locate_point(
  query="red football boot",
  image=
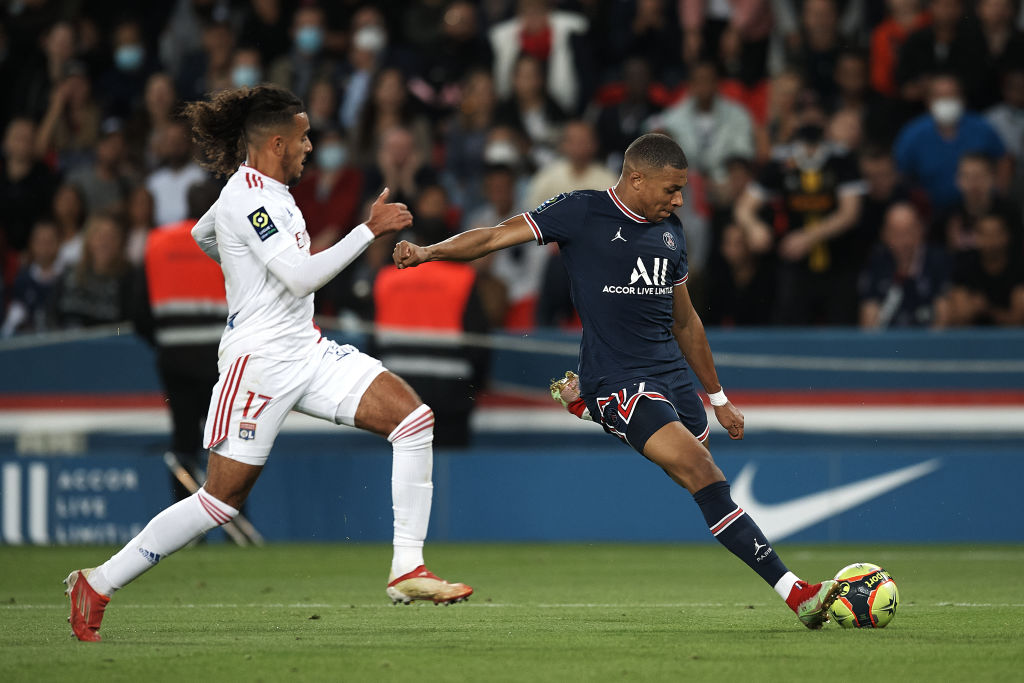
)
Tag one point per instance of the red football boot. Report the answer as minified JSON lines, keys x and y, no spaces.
{"x":422,"y":584}
{"x":86,"y":606}
{"x":811,"y":602}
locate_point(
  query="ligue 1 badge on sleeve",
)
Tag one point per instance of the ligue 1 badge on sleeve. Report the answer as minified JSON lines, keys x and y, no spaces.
{"x":669,"y":240}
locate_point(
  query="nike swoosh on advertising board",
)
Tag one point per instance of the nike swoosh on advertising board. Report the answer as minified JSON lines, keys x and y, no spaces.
{"x":779,"y":520}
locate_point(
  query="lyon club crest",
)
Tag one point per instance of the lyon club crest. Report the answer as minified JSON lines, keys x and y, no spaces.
{"x":670,"y":241}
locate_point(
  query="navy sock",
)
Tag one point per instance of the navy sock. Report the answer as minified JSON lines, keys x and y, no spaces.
{"x":734,"y":529}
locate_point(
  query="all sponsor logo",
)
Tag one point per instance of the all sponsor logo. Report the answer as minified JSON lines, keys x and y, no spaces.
{"x":644,"y":279}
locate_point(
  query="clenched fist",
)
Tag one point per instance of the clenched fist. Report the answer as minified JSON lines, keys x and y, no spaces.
{"x":407,"y":255}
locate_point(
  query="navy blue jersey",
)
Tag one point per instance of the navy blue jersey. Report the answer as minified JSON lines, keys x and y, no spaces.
{"x":622,"y":270}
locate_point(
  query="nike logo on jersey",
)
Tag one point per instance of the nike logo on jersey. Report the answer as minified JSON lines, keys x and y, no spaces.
{"x":618,"y":236}
{"x":779,"y":520}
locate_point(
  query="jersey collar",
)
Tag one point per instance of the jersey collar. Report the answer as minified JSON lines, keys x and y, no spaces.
{"x":270,"y":180}
{"x":637,"y":218}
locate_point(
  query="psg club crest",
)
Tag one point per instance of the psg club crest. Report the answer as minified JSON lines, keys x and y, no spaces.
{"x":669,"y":240}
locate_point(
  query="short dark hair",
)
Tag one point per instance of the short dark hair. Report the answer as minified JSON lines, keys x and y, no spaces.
{"x":655,"y":150}
{"x":224,"y":125}
{"x":987,"y":161}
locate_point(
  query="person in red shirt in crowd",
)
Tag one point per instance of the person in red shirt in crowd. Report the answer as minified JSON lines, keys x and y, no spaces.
{"x":328,"y":194}
{"x":905,"y":17}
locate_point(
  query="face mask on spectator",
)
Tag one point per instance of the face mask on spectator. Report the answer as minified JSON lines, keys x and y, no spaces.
{"x":331,"y":156}
{"x":501,"y":152}
{"x":129,"y":57}
{"x":370,"y":39}
{"x":947,"y":110}
{"x":309,"y":39}
{"x":245,"y":75}
{"x":810,"y":133}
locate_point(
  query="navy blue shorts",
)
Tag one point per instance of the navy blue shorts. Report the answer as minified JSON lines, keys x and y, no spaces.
{"x":637,"y":409}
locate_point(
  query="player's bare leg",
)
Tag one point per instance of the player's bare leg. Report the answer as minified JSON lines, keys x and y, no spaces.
{"x":227,"y":486}
{"x":391,"y":408}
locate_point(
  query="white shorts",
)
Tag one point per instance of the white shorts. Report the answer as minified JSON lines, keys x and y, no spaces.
{"x":254,"y":395}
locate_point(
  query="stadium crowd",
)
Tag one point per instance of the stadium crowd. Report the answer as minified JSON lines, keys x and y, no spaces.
{"x":851,"y":161}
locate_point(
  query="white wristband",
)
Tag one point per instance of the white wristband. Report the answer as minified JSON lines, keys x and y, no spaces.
{"x":718,"y":398}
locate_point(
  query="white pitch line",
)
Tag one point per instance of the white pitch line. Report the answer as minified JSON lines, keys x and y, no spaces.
{"x":543,"y":605}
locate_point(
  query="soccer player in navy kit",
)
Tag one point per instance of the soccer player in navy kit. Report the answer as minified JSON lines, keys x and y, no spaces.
{"x":625,"y":254}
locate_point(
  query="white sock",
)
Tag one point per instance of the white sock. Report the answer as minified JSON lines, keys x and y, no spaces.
{"x":784,"y":585}
{"x":169,"y":531}
{"x":412,"y":489}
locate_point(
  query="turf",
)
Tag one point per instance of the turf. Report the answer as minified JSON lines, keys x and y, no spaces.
{"x":540,"y":613}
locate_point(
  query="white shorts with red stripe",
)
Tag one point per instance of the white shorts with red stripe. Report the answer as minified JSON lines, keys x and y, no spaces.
{"x":254,"y":395}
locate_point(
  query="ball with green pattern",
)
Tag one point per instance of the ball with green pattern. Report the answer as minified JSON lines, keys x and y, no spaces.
{"x":868,"y":597}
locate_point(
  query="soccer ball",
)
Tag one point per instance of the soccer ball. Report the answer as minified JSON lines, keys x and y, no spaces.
{"x":867,"y":597}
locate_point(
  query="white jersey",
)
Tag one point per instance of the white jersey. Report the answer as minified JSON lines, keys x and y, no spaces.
{"x":256,"y":219}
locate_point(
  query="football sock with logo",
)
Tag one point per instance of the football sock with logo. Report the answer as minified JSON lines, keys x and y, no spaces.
{"x":412,"y":488}
{"x":169,"y":531}
{"x":733,"y":528}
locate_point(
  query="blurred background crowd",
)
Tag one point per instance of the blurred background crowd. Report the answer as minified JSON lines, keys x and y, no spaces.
{"x":852,"y":162}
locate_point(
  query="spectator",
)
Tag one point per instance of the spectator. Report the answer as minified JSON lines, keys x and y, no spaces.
{"x":97,"y":290}
{"x":741,"y":286}
{"x":34,"y":283}
{"x":951,"y":44}
{"x":1007,"y":117}
{"x":70,"y":128}
{"x":103,"y":183}
{"x":32,"y":85}
{"x":143,"y":132}
{"x":400,"y":166}
{"x":322,"y":109}
{"x":988,"y":282}
{"x":140,"y":223}
{"x":642,"y":30}
{"x":711,"y":27}
{"x":578,"y":169}
{"x":620,"y":122}
{"x":328,"y":194}
{"x":307,"y":60}
{"x":817,"y":48}
{"x":26,"y":185}
{"x":781,"y":121}
{"x":509,"y":279}
{"x":904,"y":17}
{"x":975,"y":178}
{"x":456,"y":49}
{"x":1004,"y":45}
{"x":208,"y":70}
{"x":368,"y":50}
{"x":466,"y":139}
{"x":390,"y":105}
{"x":554,"y":39}
{"x":928,"y":148}
{"x":169,"y":184}
{"x":246,"y":67}
{"x":709,"y":127}
{"x":815,"y":193}
{"x":265,"y":25}
{"x":879,"y":117}
{"x":531,"y":110}
{"x":884,"y":189}
{"x":69,"y":217}
{"x":905,"y":282}
{"x":122,"y":85}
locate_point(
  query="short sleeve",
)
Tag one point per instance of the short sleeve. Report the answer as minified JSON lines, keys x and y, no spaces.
{"x":558,"y":218}
{"x":682,"y":265}
{"x":260,"y":226}
{"x":848,"y":178}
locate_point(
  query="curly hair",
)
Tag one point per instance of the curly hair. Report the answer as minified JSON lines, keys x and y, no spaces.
{"x":224,"y":125}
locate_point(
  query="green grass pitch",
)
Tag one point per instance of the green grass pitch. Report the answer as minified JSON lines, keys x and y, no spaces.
{"x":540,"y":613}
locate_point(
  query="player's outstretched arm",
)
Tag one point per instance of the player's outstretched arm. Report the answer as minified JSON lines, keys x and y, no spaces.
{"x":204,"y":232}
{"x":303,"y":274}
{"x":693,"y":342}
{"x":466,"y":246}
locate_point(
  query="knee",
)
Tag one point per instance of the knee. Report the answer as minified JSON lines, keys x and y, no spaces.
{"x":414,"y":427}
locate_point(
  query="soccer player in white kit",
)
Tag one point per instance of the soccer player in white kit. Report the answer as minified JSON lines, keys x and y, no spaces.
{"x":273,"y":359}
